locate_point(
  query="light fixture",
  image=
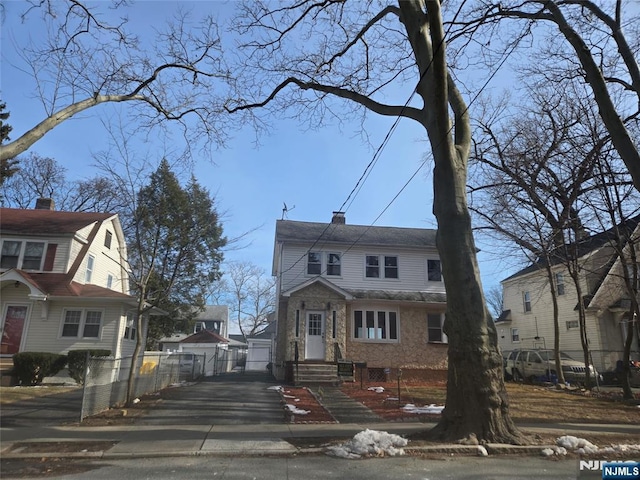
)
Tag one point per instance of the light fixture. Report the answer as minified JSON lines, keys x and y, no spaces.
{"x":17,"y":284}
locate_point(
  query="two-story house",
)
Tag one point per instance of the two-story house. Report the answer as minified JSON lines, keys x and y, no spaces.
{"x":527,"y":318}
{"x":372,"y":295}
{"x":64,"y":283}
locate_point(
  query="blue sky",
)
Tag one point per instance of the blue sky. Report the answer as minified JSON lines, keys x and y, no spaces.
{"x":311,"y":170}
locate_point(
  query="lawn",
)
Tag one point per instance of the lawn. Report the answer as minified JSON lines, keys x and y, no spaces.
{"x":16,"y":394}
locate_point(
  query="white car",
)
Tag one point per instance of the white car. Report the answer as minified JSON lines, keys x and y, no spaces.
{"x":534,"y":364}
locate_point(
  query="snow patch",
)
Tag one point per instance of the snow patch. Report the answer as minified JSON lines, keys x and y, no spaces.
{"x":585,"y":447}
{"x":376,"y":389}
{"x":277,"y":388}
{"x":430,"y":409}
{"x":295,"y":410}
{"x":370,"y":443}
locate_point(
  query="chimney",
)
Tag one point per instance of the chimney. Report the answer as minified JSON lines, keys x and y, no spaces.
{"x":45,"y":204}
{"x":338,"y":218}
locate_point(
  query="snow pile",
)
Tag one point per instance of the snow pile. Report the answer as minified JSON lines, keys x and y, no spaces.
{"x":585,"y":447}
{"x":376,"y":389}
{"x":548,"y":452}
{"x":295,"y":410}
{"x":622,"y":448}
{"x":578,"y":445}
{"x":430,"y":409}
{"x":277,"y":388}
{"x":370,"y":443}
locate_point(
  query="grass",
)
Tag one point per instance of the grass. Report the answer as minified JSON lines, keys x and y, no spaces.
{"x":16,"y":394}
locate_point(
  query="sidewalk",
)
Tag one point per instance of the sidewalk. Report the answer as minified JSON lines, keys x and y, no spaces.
{"x":134,"y":441}
{"x":229,"y":416}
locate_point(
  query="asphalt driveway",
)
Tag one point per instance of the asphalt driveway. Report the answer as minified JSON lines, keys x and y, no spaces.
{"x":227,"y":399}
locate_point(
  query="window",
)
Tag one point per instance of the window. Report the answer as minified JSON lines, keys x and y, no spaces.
{"x":109,"y":280}
{"x":86,"y":321}
{"x":92,"y":324}
{"x":559,"y":284}
{"x":515,"y":335}
{"x":373,"y":263}
{"x":334,"y":324}
{"x":24,"y":255}
{"x":526,"y":299}
{"x":333,"y":264}
{"x":390,"y":267}
{"x":376,"y":325}
{"x":434,"y":271}
{"x":89,"y":273}
{"x":434,"y":328}
{"x":130,"y":328}
{"x":630,"y":274}
{"x":314,"y":263}
{"x":572,"y":324}
{"x":107,"y":239}
{"x":297,"y":323}
{"x":372,"y":266}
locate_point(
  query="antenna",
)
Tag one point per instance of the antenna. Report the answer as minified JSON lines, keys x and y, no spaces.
{"x":286,"y":209}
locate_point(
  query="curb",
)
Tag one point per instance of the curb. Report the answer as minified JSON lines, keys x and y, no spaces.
{"x":468,"y":450}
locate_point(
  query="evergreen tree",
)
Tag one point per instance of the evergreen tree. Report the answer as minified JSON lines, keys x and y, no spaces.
{"x":8,"y":166}
{"x":175,"y":241}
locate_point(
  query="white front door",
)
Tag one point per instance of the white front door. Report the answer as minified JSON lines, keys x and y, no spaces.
{"x":314,"y":349}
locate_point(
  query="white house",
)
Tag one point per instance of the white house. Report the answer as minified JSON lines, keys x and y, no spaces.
{"x":372,"y":295}
{"x":63,"y":282}
{"x":527,"y":318}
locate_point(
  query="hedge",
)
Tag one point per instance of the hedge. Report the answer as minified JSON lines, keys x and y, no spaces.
{"x":78,"y":362}
{"x":30,"y":368}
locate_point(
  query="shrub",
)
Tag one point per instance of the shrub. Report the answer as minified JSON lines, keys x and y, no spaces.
{"x":30,"y":368}
{"x":78,"y":362}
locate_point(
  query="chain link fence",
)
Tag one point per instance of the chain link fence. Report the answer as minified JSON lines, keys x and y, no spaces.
{"x":106,"y":378}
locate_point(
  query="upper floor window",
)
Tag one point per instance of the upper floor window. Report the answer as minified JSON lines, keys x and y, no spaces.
{"x":89,"y":273}
{"x":559,"y":284}
{"x":333,"y":264}
{"x":82,"y":323}
{"x":375,"y":325}
{"x":107,"y":239}
{"x":435,"y":321}
{"x":22,"y":254}
{"x":109,"y":281}
{"x":434,"y":271}
{"x":373,"y":265}
{"x":526,"y":300}
{"x":314,"y":263}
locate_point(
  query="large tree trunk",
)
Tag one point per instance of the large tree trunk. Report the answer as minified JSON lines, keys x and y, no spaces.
{"x":477,"y":408}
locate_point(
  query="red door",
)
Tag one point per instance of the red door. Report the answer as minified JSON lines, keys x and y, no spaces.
{"x":12,"y":329}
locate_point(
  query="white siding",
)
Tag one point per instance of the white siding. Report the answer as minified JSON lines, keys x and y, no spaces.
{"x":412,"y":268}
{"x":539,"y":322}
{"x":45,"y":335}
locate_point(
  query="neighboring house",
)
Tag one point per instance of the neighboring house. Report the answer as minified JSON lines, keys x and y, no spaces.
{"x":260,"y":348}
{"x":367,"y":294}
{"x":527,"y":319}
{"x":214,"y":318}
{"x":63,"y":282}
{"x":213,"y":349}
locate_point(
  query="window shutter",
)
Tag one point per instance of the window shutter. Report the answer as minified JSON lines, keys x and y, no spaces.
{"x":50,"y":257}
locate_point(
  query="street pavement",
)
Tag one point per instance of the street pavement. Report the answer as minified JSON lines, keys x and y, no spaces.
{"x":233,"y":414}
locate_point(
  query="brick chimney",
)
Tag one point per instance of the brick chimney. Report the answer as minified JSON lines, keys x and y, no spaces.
{"x":45,"y":204}
{"x":338,"y":217}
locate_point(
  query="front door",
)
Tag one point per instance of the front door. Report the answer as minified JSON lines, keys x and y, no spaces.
{"x":12,"y":328}
{"x":314,"y":349}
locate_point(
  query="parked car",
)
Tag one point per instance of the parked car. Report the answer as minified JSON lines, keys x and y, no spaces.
{"x":189,"y":363}
{"x":534,"y":365}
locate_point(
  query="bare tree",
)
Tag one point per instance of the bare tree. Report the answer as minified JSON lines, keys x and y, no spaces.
{"x":87,"y":62}
{"x":40,"y":177}
{"x":251,"y":295}
{"x":495,"y":300}
{"x":301,"y":58}
{"x":597,"y":49}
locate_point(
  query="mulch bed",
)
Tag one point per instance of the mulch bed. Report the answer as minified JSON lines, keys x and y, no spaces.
{"x":303,"y":399}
